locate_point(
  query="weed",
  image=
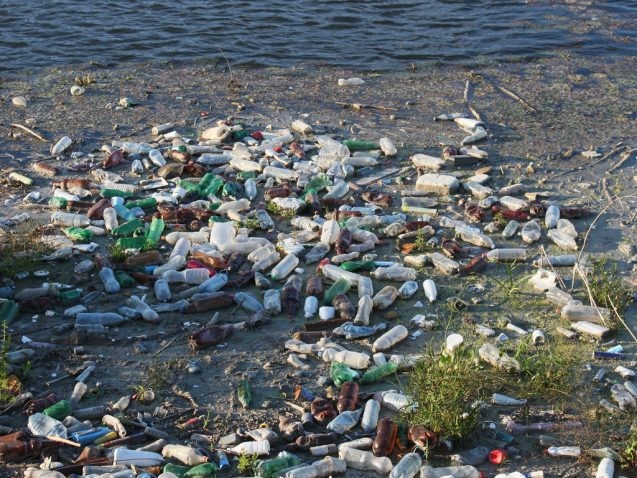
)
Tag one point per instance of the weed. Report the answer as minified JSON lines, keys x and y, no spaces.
{"x":84,"y":80}
{"x":250,"y":223}
{"x":159,"y":373}
{"x":5,"y":380}
{"x":248,"y":464}
{"x":606,"y":285}
{"x":279,"y":211}
{"x":116,"y":253}
{"x":629,"y":452}
{"x":446,"y":389}
{"x":20,"y":249}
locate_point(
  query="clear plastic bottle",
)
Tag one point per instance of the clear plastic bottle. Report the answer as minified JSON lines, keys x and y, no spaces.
{"x":310,"y":307}
{"x":507,"y":255}
{"x":188,"y":276}
{"x":357,"y":360}
{"x":250,"y":187}
{"x":575,"y":311}
{"x":318,"y":252}
{"x":185,"y":454}
{"x":124,"y":456}
{"x":337,"y":191}
{"x":365,"y":461}
{"x":267,"y":261}
{"x":385,"y":297}
{"x":172,"y":264}
{"x":365,"y":287}
{"x":572,"y":451}
{"x":257,"y":447}
{"x":272,"y":301}
{"x":181,"y":248}
{"x":106,"y":319}
{"x":319,"y":469}
{"x":430,"y":290}
{"x":107,"y":276}
{"x":562,"y":239}
{"x":261,"y":252}
{"x":248,"y":302}
{"x":531,"y":232}
{"x":407,"y":467}
{"x":70,"y":219}
{"x":365,"y":306}
{"x":345,"y":421}
{"x":285,"y":267}
{"x":551,"y":216}
{"x":43,"y":425}
{"x":395,"y":229}
{"x":162,"y":290}
{"x":387,"y":147}
{"x":390,"y":338}
{"x":408,"y":289}
{"x":370,"y":416}
{"x":444,"y":264}
{"x":462,"y":471}
{"x":473,"y":237}
{"x":110,"y":218}
{"x":510,"y":229}
{"x":213,"y":284}
{"x":396,"y":273}
{"x":332,"y":272}
{"x":330,"y":231}
{"x":558,"y":296}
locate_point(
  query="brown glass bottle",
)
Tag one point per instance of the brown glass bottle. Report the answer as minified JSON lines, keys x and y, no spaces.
{"x":314,"y":286}
{"x":386,"y":432}
{"x":96,"y":211}
{"x":219,"y":300}
{"x":343,"y":241}
{"x":344,"y":307}
{"x":37,"y":405}
{"x":347,"y":397}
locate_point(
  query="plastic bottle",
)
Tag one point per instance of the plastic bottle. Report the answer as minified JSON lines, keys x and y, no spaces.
{"x":189,"y":276}
{"x":510,"y":229}
{"x":462,"y":471}
{"x":341,"y":286}
{"x":271,"y":468}
{"x":385,"y":297}
{"x":572,"y":451}
{"x":347,"y":397}
{"x":531,"y":232}
{"x":70,"y":219}
{"x":370,"y":416}
{"x":248,"y":302}
{"x":333,"y":272}
{"x":258,"y":447}
{"x":386,"y":432}
{"x":365,"y":461}
{"x":310,"y":307}
{"x":272,"y":301}
{"x":430,"y":290}
{"x":124,"y":456}
{"x":574,"y":311}
{"x":378,"y":373}
{"x":250,"y":187}
{"x":558,"y":296}
{"x":408,"y":289}
{"x":490,"y":354}
{"x":551,"y":217}
{"x":58,"y":410}
{"x":395,"y":273}
{"x":162,"y":290}
{"x":110,"y":218}
{"x":344,"y":307}
{"x":285,"y":267}
{"x":562,"y":239}
{"x":102,"y":318}
{"x":365,"y":305}
{"x":345,"y":421}
{"x":605,"y":469}
{"x":330,"y":231}
{"x":474,"y":456}
{"x":365,"y":287}
{"x":42,"y":425}
{"x":390,"y":338}
{"x":269,"y":260}
{"x":185,"y":454}
{"x":107,"y":276}
{"x":407,"y":467}
{"x":507,"y":255}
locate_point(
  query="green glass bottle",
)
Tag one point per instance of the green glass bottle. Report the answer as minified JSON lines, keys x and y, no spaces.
{"x":59,"y":410}
{"x":154,"y":233}
{"x":214,"y":219}
{"x":131,"y":242}
{"x":58,"y":203}
{"x":8,"y":311}
{"x":239,"y":135}
{"x":353,"y":266}
{"x":78,"y":234}
{"x":146,"y":203}
{"x":229,"y":189}
{"x":354,"y":145}
{"x":244,"y":392}
{"x":128,"y":227}
{"x":377,"y":373}
{"x":123,"y":279}
{"x":178,"y":470}
{"x":341,"y":286}
{"x":204,"y":470}
{"x":270,"y":468}
{"x":69,"y":296}
{"x":190,"y":186}
{"x":213,"y":189}
{"x":203,"y":184}
{"x":111,"y":193}
{"x":341,"y":373}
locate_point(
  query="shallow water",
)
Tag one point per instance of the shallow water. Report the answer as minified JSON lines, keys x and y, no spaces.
{"x":369,"y":34}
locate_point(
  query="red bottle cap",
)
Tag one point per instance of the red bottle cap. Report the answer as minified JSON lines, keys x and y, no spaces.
{"x":497,"y":456}
{"x":257,"y":135}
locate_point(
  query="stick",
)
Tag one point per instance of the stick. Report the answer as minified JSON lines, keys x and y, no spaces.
{"x":515,"y":97}
{"x":30,"y":131}
{"x":625,"y":157}
{"x":164,"y":347}
{"x":621,"y":320}
{"x":605,"y":191}
{"x":468,"y":103}
{"x":63,"y":440}
{"x":545,"y":256}
{"x":358,"y":106}
{"x":614,"y":149}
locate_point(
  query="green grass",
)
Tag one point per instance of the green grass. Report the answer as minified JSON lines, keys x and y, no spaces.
{"x":606,"y":285}
{"x":21,"y":248}
{"x":248,"y":464}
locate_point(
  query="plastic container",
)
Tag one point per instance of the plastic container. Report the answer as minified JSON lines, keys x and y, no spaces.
{"x":330,"y":232}
{"x":430,"y":290}
{"x":365,"y":287}
{"x":272,"y":301}
{"x":285,"y":267}
{"x":575,"y":311}
{"x":385,"y":297}
{"x":365,"y":305}
{"x":551,"y":217}
{"x":570,"y":451}
{"x":258,"y":447}
{"x":366,"y":461}
{"x":395,"y":273}
{"x":531,"y":232}
{"x":310,"y":307}
{"x":43,"y":426}
{"x":407,"y":467}
{"x":107,"y":276}
{"x":162,"y":290}
{"x":507,"y":255}
{"x":124,"y":456}
{"x":356,"y":360}
{"x":370,"y":416}
{"x":408,"y":289}
{"x":345,"y":421}
{"x":70,"y":219}
{"x":185,"y":454}
{"x":189,"y":276}
{"x":462,"y":471}
{"x":390,"y":338}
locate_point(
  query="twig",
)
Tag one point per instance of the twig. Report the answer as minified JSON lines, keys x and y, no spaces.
{"x":621,"y":320}
{"x":164,"y":347}
{"x":28,"y":130}
{"x":544,"y":255}
{"x":185,"y":395}
{"x":515,"y":97}
{"x":605,"y":191}
{"x":468,"y":103}
{"x":625,"y":157}
{"x":358,"y":106}
{"x":63,"y":440}
{"x":614,"y":149}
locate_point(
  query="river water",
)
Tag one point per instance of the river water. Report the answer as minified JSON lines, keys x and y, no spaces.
{"x":361,"y":34}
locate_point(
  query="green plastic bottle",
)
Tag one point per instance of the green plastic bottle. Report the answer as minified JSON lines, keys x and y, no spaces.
{"x":131,"y":242}
{"x":190,"y":186}
{"x":244,"y":392}
{"x":203,"y":184}
{"x":123,"y":279}
{"x":213,"y":189}
{"x":341,"y":286}
{"x":239,"y":135}
{"x":154,"y":233}
{"x":270,"y":468}
{"x":204,"y":470}
{"x":243,"y":176}
{"x":229,"y":189}
{"x":111,"y":193}
{"x":214,"y":219}
{"x":353,"y":266}
{"x":59,"y":410}
{"x":146,"y":203}
{"x":377,"y":373}
{"x":177,"y":470}
{"x":58,"y":203}
{"x":318,"y":183}
{"x":69,"y":296}
{"x":78,"y":234}
{"x":354,"y":145}
{"x":8,"y":311}
{"x":127,"y":228}
{"x":341,"y":373}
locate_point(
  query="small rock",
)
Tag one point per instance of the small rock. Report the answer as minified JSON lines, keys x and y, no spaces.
{"x":19,"y":101}
{"x":77,"y":90}
{"x":437,"y":184}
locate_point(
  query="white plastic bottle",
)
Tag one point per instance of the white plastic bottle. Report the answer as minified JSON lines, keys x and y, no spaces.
{"x":356,"y":360}
{"x":222,"y":233}
{"x":258,"y":447}
{"x":370,"y":416}
{"x":573,"y":451}
{"x":107,"y":276}
{"x":430,"y":290}
{"x":110,"y":218}
{"x":407,"y":467}
{"x":250,"y":187}
{"x":124,"y":456}
{"x":605,"y":469}
{"x":365,"y":287}
{"x":162,"y":290}
{"x":507,"y":255}
{"x":181,"y":248}
{"x":310,"y":307}
{"x":365,"y":461}
{"x":561,"y":239}
{"x":390,"y":338}
{"x":185,"y":454}
{"x":330,"y":231}
{"x":551,"y":217}
{"x":285,"y":267}
{"x":408,"y":289}
{"x":332,"y":272}
{"x":70,"y":219}
{"x":188,"y":276}
{"x":387,"y":147}
{"x":272,"y":301}
{"x":328,"y":466}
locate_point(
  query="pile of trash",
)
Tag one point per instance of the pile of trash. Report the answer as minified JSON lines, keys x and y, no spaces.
{"x":280,"y":224}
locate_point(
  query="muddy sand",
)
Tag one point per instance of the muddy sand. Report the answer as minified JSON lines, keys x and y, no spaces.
{"x":566,"y":106}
